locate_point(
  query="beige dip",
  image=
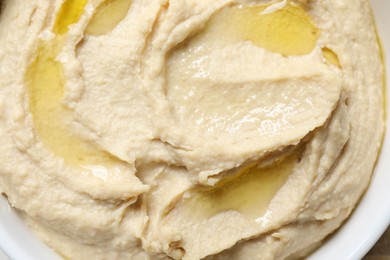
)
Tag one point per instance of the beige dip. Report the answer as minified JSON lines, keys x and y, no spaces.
{"x":188,"y":129}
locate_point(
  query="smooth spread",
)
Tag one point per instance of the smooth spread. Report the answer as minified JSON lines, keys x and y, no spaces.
{"x":185,"y":129}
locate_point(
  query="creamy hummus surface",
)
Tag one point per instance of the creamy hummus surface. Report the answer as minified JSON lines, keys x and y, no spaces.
{"x":188,"y":129}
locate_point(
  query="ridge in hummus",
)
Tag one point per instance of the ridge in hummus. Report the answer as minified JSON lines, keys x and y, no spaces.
{"x":184,"y":129}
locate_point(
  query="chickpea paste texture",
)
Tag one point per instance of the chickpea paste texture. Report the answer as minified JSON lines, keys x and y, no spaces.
{"x":187,"y":129}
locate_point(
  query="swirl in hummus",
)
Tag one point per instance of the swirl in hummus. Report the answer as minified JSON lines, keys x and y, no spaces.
{"x":187,"y":129}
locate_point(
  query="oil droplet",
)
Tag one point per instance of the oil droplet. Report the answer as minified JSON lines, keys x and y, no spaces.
{"x":108,"y":15}
{"x":248,"y":192}
{"x":288,"y":30}
{"x":45,"y":82}
{"x":331,"y":56}
{"x":70,"y":13}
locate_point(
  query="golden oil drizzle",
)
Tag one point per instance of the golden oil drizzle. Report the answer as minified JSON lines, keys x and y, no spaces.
{"x":107,"y":16}
{"x":288,"y":30}
{"x":69,"y":13}
{"x":331,"y":56}
{"x":248,"y":192}
{"x":45,"y":81}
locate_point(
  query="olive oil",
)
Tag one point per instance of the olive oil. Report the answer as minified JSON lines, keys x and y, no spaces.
{"x":248,"y":192}
{"x":70,"y":13}
{"x":331,"y":56}
{"x":45,"y":81}
{"x":46,"y":88}
{"x":107,"y":16}
{"x":288,"y":30}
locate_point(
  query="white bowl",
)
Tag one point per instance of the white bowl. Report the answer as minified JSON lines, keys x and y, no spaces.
{"x":352,"y":241}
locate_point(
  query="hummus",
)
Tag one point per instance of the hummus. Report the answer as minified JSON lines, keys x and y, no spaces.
{"x":187,"y":129}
